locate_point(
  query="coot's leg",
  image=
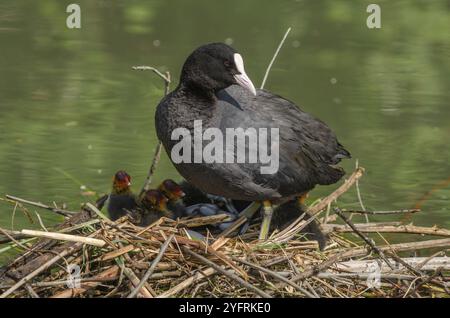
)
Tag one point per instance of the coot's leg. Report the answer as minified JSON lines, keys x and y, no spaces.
{"x":268,"y":211}
{"x":244,"y":216}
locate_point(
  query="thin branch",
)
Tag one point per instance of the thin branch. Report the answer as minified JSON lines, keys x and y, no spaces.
{"x":374,"y":228}
{"x":365,"y":238}
{"x":275,"y":275}
{"x":297,"y":225}
{"x":274,"y":57}
{"x":42,"y":206}
{"x":358,"y":193}
{"x":381,"y":212}
{"x":152,"y":267}
{"x":227,"y":273}
{"x":167,"y":80}
{"x":64,"y":237}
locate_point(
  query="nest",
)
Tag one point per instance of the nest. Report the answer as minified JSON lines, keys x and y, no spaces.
{"x":90,"y":256}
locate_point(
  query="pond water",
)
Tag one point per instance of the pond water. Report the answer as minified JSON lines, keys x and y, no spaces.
{"x":72,"y":111}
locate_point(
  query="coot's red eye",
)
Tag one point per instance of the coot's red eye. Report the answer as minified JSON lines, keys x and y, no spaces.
{"x":227,"y":63}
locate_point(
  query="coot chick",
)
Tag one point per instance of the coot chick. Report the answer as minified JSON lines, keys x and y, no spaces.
{"x":121,"y":200}
{"x":154,"y":207}
{"x":214,"y":90}
{"x":286,"y":213}
{"x":174,"y":193}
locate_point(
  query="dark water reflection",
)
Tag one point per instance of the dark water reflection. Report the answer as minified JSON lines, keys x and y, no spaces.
{"x":69,"y":101}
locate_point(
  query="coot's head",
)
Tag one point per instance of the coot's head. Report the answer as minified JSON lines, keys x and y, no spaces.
{"x":154,"y":200}
{"x":171,"y":189}
{"x":121,"y":181}
{"x":213,"y":67}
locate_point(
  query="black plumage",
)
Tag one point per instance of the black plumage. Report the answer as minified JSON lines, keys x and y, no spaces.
{"x":121,"y":200}
{"x":308,"y":148}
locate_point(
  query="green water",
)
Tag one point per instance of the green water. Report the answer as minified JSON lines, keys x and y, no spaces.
{"x":70,"y":102}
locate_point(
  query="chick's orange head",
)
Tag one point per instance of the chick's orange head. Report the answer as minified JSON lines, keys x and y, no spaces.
{"x":171,"y":189}
{"x":121,"y":180}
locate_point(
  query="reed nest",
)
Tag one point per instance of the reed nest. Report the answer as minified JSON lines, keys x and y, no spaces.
{"x":120,"y":259}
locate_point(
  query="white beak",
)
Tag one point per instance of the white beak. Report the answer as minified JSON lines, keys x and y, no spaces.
{"x":242,"y":79}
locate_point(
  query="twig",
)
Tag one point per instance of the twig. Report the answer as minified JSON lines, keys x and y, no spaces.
{"x":423,"y":281}
{"x":110,"y":274}
{"x":298,"y":225}
{"x":30,"y":290}
{"x":152,"y":267}
{"x":366,"y":239}
{"x":358,"y":193}
{"x":275,"y":275}
{"x":64,"y":237}
{"x":381,"y":212}
{"x":228,"y":274}
{"x":274,"y":57}
{"x":188,"y":282}
{"x":203,"y":220}
{"x":40,"y":222}
{"x":407,"y":229}
{"x":42,"y":206}
{"x":167,"y":80}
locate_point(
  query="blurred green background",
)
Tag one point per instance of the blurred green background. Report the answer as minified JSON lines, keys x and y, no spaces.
{"x":70,"y":104}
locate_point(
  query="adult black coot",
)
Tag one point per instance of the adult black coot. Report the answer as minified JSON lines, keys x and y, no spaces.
{"x":215,"y":90}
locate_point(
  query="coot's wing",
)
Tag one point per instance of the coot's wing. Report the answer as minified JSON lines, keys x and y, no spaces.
{"x":308,"y":147}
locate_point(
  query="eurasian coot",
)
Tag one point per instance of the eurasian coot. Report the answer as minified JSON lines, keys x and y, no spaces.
{"x":154,"y":207}
{"x":173,"y":192}
{"x":121,"y":200}
{"x":215,"y":92}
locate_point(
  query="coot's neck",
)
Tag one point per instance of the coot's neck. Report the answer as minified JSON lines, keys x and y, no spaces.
{"x":196,"y":91}
{"x":121,"y":191}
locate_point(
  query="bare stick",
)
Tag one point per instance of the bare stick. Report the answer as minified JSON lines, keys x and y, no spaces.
{"x":407,"y":229}
{"x":188,"y":282}
{"x":42,"y":206}
{"x":31,"y":291}
{"x":365,"y":238}
{"x":228,"y":274}
{"x":144,"y":291}
{"x":275,"y":275}
{"x":203,"y":220}
{"x":414,"y":262}
{"x":274,"y":57}
{"x":381,"y":212}
{"x":358,"y":252}
{"x":318,"y":268}
{"x":153,"y":69}
{"x":358,"y":193}
{"x":155,"y":161}
{"x":152,"y":267}
{"x":64,"y":237}
{"x":158,"y":149}
{"x":298,"y":225}
{"x":236,"y":224}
